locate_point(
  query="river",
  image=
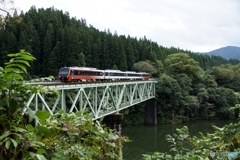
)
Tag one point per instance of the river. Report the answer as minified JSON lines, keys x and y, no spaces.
{"x":148,"y":139}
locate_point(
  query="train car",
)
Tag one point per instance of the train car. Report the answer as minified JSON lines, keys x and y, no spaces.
{"x":144,"y":75}
{"x":131,"y":75}
{"x":78,"y":74}
{"x":114,"y":75}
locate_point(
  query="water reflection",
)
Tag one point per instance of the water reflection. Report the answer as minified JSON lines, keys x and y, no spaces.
{"x":147,"y":139}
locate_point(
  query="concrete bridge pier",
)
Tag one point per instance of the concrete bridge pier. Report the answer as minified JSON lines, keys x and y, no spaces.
{"x":151,"y":112}
{"x":114,"y":121}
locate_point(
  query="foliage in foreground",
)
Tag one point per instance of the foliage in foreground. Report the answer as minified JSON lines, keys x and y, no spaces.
{"x":58,"y":136}
{"x":223,"y":140}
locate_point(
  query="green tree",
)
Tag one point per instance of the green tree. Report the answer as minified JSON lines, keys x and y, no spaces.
{"x":86,"y":47}
{"x":227,"y":76}
{"x":105,"y":62}
{"x":130,"y":55}
{"x":53,"y":64}
{"x":144,"y":66}
{"x":169,"y":95}
{"x":119,"y":58}
{"x":64,"y":47}
{"x":182,"y":63}
{"x":47,"y":49}
{"x":222,"y":99}
{"x":96,"y":53}
{"x":81,"y":60}
{"x":73,"y":47}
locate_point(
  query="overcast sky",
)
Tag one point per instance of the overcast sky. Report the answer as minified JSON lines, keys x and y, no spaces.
{"x":195,"y":25}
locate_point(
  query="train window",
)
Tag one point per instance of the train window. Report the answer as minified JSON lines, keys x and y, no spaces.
{"x":64,"y":70}
{"x":75,"y":72}
{"x":106,"y":73}
{"x":132,"y":75}
{"x":98,"y":73}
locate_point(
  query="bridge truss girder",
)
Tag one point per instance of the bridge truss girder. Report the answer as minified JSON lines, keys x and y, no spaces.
{"x":100,"y":99}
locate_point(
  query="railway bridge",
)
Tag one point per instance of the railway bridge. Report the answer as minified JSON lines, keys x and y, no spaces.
{"x":100,"y":99}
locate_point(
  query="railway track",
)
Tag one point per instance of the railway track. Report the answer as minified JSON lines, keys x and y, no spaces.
{"x":74,"y":83}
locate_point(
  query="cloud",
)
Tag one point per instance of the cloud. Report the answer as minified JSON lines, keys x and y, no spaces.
{"x":196,"y":25}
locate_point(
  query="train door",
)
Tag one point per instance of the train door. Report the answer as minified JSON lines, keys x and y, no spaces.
{"x":106,"y":76}
{"x":72,"y":74}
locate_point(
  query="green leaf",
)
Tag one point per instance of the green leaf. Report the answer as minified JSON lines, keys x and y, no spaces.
{"x":111,"y":144}
{"x":13,"y":105}
{"x":111,"y":154}
{"x":8,"y":70}
{"x":38,"y":143}
{"x":12,"y":76}
{"x":30,"y":128}
{"x":7,"y":144}
{"x":5,"y":134}
{"x":12,"y":54}
{"x":28,"y":57}
{"x":43,"y":115}
{"x":14,"y":142}
{"x":3,"y":86}
{"x":46,"y":131}
{"x":40,"y":157}
{"x":79,"y":114}
{"x":40,"y":151}
{"x":19,"y":129}
{"x":21,"y":61}
{"x":32,"y":154}
{"x":16,"y":65}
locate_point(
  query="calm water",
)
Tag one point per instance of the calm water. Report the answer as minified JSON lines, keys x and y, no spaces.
{"x":148,"y":139}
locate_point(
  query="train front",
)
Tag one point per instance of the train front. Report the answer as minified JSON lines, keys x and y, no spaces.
{"x":63,"y":74}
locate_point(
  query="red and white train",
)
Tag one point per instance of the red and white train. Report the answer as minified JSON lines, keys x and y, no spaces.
{"x":78,"y":74}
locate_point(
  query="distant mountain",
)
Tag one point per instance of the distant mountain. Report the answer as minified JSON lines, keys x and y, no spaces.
{"x":226,"y":52}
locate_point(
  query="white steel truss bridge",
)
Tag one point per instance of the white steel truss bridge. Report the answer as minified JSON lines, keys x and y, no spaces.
{"x":100,"y":99}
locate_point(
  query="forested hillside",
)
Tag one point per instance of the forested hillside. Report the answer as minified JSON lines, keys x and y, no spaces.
{"x":58,"y":40}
